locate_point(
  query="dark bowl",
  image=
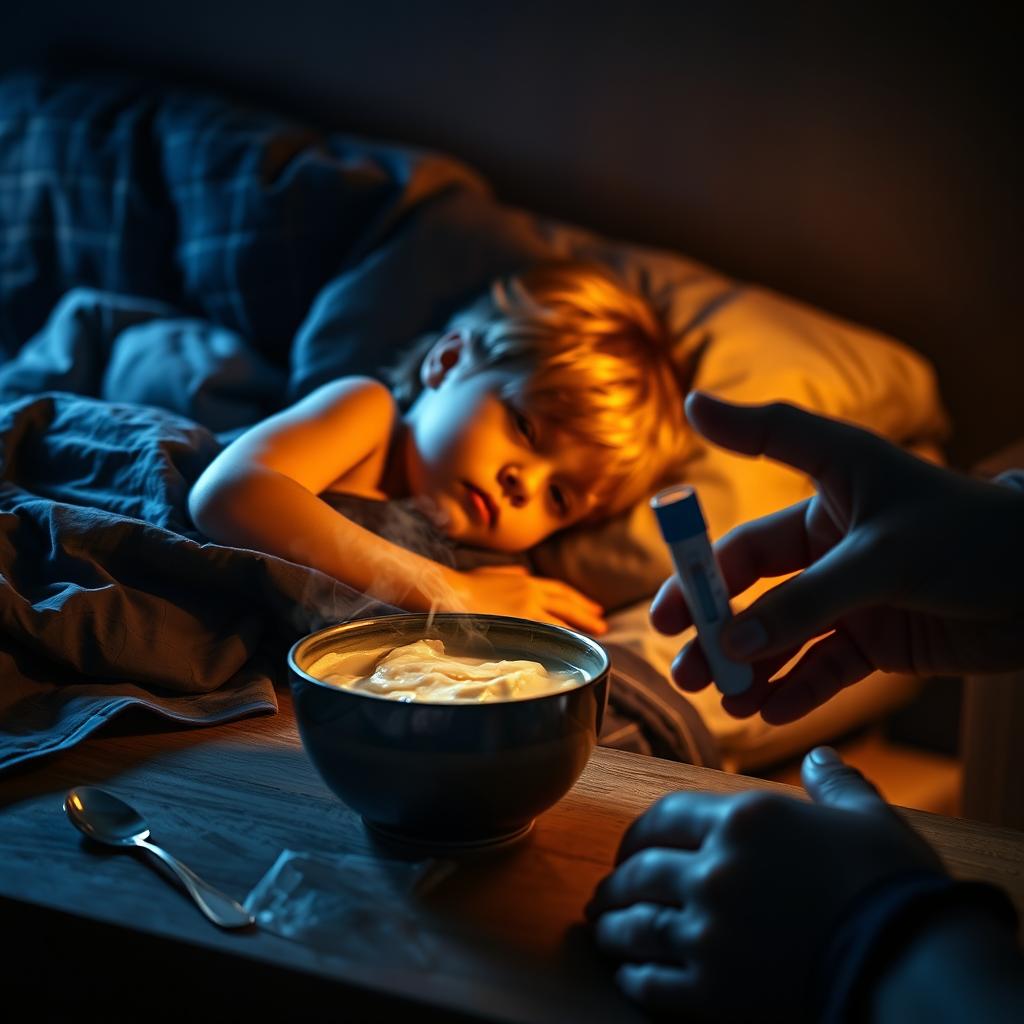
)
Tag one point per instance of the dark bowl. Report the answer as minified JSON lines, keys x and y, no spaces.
{"x":450,"y":774}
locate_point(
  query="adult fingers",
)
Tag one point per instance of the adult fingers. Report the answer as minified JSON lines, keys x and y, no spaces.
{"x":653,"y":875}
{"x":848,"y":577}
{"x":680,"y":820}
{"x":774,"y":545}
{"x":821,"y":447}
{"x":829,"y":780}
{"x":658,"y":987}
{"x":669,"y":611}
{"x":827,"y":667}
{"x":750,"y":702}
{"x":644,"y":931}
{"x":691,"y":672}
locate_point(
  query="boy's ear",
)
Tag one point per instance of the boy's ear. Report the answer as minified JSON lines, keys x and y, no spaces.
{"x":442,"y":358}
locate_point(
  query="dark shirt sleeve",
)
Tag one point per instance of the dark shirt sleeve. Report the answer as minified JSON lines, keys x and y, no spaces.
{"x":1012,"y":478}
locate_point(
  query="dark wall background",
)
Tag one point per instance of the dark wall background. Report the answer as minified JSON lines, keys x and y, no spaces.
{"x":864,"y":161}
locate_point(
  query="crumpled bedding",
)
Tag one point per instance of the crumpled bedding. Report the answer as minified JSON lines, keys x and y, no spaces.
{"x":111,"y":599}
{"x":173,"y":268}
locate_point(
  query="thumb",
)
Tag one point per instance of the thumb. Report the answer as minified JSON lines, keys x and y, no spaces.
{"x":834,"y":783}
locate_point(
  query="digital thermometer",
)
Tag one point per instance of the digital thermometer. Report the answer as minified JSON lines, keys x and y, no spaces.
{"x":682,"y":525}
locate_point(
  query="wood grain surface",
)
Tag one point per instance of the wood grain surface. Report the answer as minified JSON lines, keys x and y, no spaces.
{"x":505,"y":929}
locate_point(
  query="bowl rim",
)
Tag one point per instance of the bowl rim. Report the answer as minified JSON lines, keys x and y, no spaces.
{"x":352,"y":624}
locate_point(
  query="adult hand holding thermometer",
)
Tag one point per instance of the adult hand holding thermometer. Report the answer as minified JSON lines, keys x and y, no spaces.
{"x":683,"y":527}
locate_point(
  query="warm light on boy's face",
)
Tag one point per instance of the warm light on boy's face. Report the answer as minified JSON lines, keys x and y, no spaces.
{"x":488,"y":469}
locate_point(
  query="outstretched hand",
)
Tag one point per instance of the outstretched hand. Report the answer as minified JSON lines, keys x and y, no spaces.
{"x":719,"y":905}
{"x":903,"y":566}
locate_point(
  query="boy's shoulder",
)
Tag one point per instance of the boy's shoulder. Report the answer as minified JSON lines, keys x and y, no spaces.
{"x":340,"y":395}
{"x":354,"y":407}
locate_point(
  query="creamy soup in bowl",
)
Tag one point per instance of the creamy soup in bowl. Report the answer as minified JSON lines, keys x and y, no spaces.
{"x":450,"y":731}
{"x":425,"y":671}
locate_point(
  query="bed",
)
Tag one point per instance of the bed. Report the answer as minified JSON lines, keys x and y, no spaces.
{"x":178,"y":263}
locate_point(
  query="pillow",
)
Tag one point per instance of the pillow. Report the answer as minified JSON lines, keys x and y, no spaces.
{"x":754,"y":345}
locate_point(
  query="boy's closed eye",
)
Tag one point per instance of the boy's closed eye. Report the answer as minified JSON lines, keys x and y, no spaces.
{"x":561,"y":498}
{"x":527,"y":430}
{"x":522,"y":424}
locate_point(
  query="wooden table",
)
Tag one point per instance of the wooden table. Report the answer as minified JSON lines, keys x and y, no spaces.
{"x":228,"y":799}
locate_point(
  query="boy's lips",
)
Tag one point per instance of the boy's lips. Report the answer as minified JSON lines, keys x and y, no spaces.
{"x":482,"y":504}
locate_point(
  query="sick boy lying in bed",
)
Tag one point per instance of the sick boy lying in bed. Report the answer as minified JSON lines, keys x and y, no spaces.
{"x":550,"y":403}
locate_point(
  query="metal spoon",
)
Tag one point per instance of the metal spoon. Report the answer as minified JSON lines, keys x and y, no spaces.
{"x":108,"y":819}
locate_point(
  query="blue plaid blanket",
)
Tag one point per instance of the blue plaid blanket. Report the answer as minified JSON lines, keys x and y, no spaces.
{"x":231,"y":215}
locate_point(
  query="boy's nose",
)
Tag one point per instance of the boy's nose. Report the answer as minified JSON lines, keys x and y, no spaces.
{"x":515,"y":485}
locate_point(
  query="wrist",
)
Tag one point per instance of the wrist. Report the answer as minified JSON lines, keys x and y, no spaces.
{"x":455,"y":585}
{"x":411,"y":582}
{"x":961,"y":962}
{"x":887,"y":920}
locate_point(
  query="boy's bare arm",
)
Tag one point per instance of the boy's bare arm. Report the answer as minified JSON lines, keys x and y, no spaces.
{"x":261,"y":492}
{"x":268,"y":511}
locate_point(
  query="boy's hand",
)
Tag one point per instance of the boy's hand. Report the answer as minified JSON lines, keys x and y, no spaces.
{"x":511,"y":590}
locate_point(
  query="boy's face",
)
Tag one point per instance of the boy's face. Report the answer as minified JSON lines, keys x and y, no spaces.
{"x":489,"y":470}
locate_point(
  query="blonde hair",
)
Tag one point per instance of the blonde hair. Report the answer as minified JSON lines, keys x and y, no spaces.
{"x":595,"y":363}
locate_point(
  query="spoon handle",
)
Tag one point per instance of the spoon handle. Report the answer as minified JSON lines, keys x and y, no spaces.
{"x":220,"y":909}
